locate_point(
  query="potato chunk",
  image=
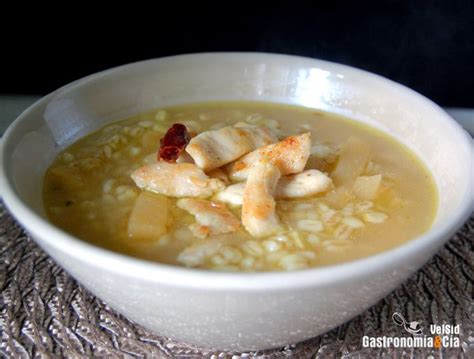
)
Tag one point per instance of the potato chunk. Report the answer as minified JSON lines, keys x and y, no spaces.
{"x":353,"y":159}
{"x":367,"y":187}
{"x":149,"y":217}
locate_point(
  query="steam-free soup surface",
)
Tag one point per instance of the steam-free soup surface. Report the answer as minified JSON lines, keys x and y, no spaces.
{"x":374,"y":195}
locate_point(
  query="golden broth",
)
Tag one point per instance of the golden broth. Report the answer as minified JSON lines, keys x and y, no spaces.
{"x":89,"y":193}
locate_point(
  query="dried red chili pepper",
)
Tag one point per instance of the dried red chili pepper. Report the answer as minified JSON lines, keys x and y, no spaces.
{"x":174,"y":143}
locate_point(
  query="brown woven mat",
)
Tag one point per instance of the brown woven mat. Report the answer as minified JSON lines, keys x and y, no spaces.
{"x":44,"y":312}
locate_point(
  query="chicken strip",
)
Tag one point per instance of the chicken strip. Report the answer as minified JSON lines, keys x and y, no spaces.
{"x":289,"y":155}
{"x":304,"y":184}
{"x":258,"y":206}
{"x":176,"y":180}
{"x":211,"y":217}
{"x":233,"y":194}
{"x":212,"y":149}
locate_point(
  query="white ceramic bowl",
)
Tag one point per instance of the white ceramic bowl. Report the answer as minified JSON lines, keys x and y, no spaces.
{"x":235,"y":310}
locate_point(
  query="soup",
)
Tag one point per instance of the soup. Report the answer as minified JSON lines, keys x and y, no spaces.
{"x":240,"y":186}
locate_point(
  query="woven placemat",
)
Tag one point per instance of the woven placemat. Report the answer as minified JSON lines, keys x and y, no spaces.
{"x":45,"y":312}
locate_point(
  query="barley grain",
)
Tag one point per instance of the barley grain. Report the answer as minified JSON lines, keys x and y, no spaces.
{"x":134,"y":151}
{"x":218,"y":260}
{"x":364,"y":206}
{"x":293,"y":262}
{"x":107,"y":151}
{"x":310,"y":225}
{"x":247,"y":262}
{"x":352,"y":222}
{"x":374,"y":217}
{"x":342,"y":231}
{"x":145,"y":124}
{"x":107,"y":185}
{"x":161,"y":115}
{"x":271,"y":246}
{"x":252,"y":248}
{"x":231,"y":255}
{"x":313,"y":239}
{"x":67,"y":157}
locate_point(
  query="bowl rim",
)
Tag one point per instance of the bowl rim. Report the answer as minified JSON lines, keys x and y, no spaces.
{"x":213,"y":280}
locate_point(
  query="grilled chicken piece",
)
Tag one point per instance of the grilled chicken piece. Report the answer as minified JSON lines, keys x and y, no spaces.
{"x":304,"y":184}
{"x":212,"y":149}
{"x":289,"y":155}
{"x":176,"y":180}
{"x":233,"y":194}
{"x":258,"y":206}
{"x":211,"y":217}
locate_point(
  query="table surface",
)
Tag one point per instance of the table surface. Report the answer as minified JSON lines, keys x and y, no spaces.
{"x":43,"y":311}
